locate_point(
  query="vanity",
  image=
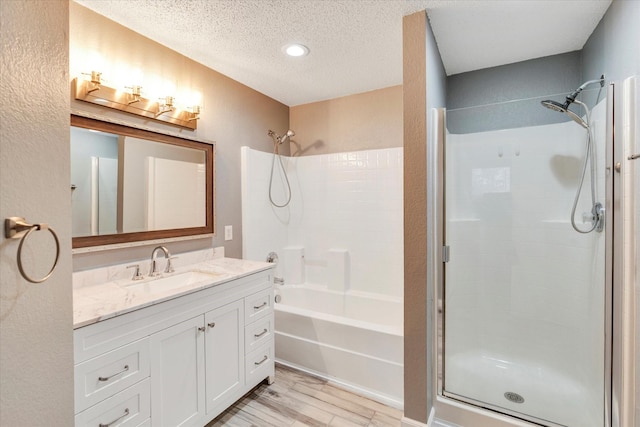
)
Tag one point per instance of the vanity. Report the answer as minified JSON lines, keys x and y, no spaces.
{"x":172,"y":350}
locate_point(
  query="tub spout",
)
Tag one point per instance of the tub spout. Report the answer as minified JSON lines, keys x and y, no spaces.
{"x":278,"y":280}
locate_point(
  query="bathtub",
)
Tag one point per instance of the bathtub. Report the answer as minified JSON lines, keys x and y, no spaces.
{"x":353,"y":339}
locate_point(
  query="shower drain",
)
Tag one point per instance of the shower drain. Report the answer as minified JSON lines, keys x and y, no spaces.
{"x":514,"y":397}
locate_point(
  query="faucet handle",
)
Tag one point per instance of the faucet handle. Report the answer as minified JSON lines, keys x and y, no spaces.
{"x":153,"y":272}
{"x":136,"y":273}
{"x":169,"y":267}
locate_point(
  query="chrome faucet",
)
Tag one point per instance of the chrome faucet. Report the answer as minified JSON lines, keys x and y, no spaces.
{"x":168,"y":269}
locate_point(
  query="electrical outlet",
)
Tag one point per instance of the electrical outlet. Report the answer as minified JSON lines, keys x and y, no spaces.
{"x":228,"y":232}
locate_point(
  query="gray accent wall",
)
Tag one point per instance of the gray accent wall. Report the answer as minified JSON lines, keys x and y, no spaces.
{"x":508,"y":96}
{"x":614,"y":47}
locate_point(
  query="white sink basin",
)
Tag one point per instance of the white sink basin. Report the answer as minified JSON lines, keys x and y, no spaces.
{"x":168,"y":283}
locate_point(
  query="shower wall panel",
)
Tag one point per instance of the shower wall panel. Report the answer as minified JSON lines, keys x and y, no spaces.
{"x":264,"y":230}
{"x":349,"y":203}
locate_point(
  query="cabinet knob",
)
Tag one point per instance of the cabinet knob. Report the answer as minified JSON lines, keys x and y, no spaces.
{"x":201,"y":329}
{"x":211,"y":325}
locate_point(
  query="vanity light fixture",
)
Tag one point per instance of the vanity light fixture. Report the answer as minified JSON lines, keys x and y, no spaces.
{"x":295,"y":50}
{"x":165,"y":105}
{"x":95,"y":80}
{"x":195,"y":113}
{"x":168,"y":110}
{"x":135,"y":93}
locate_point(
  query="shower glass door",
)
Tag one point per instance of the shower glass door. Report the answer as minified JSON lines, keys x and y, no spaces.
{"x":524,"y":293}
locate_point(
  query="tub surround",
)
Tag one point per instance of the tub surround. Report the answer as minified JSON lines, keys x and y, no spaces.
{"x":107,"y":292}
{"x":344,"y":225}
{"x":340,"y":251}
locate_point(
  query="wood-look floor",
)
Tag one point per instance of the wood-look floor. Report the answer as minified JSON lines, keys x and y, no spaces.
{"x":297,"y":399}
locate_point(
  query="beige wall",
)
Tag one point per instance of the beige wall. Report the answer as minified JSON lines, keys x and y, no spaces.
{"x":233,"y":115}
{"x":364,"y":121}
{"x":425,"y":84}
{"x":415,"y":217}
{"x":36,"y":341}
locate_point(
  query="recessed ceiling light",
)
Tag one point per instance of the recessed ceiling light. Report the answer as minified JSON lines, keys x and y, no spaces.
{"x":295,"y":49}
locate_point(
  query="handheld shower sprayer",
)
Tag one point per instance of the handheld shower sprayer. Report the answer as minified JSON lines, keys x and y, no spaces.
{"x":278,"y":139}
{"x":597,"y":211}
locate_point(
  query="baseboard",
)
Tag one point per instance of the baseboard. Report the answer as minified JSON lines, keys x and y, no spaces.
{"x":431,"y":422}
{"x":408,"y":422}
{"x":432,"y":417}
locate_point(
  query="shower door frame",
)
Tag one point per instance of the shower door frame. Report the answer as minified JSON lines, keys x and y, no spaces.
{"x":468,"y":412}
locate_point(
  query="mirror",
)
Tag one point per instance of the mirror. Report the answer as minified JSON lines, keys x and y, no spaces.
{"x":130,"y":184}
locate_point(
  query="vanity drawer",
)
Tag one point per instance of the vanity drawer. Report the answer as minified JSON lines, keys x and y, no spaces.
{"x":129,"y":408}
{"x":103,"y":376}
{"x":259,"y":364}
{"x":258,"y":333}
{"x":258,"y":305}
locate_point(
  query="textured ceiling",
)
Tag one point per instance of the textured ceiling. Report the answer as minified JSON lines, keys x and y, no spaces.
{"x":356,"y":45}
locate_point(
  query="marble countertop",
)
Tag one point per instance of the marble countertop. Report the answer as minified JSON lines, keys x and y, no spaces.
{"x":102,"y":301}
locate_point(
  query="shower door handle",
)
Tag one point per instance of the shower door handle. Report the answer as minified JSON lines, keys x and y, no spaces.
{"x":445,"y":253}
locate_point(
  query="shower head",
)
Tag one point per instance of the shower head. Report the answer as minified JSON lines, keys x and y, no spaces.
{"x":286,"y":136}
{"x":564,"y":108}
{"x":555,"y":106}
{"x":570,"y":99}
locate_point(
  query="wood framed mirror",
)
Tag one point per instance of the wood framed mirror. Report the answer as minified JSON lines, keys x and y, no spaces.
{"x":132,"y":185}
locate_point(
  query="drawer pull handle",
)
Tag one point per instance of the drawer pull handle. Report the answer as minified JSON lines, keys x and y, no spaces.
{"x":211,"y":325}
{"x":126,"y":412}
{"x":126,"y":368}
{"x":260,"y":334}
{"x":258,"y":307}
{"x":262,"y":361}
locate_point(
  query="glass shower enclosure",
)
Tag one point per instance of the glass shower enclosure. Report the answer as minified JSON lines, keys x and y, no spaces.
{"x":523,"y":298}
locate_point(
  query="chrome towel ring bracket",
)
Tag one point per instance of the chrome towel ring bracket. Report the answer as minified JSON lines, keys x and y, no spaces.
{"x":16,"y":227}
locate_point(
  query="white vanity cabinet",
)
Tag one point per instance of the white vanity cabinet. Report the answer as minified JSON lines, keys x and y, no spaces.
{"x":177,"y":383}
{"x":224,"y":353}
{"x":180,"y":362}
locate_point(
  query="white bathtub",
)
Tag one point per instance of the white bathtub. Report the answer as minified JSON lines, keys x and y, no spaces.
{"x":354,"y":340}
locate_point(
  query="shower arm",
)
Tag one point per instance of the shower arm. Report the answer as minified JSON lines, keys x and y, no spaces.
{"x":572,"y":97}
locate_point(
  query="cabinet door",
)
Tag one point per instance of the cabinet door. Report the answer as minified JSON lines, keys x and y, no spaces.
{"x":177,"y":374}
{"x":224,"y":353}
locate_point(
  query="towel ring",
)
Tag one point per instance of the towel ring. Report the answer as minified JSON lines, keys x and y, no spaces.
{"x":17,"y":228}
